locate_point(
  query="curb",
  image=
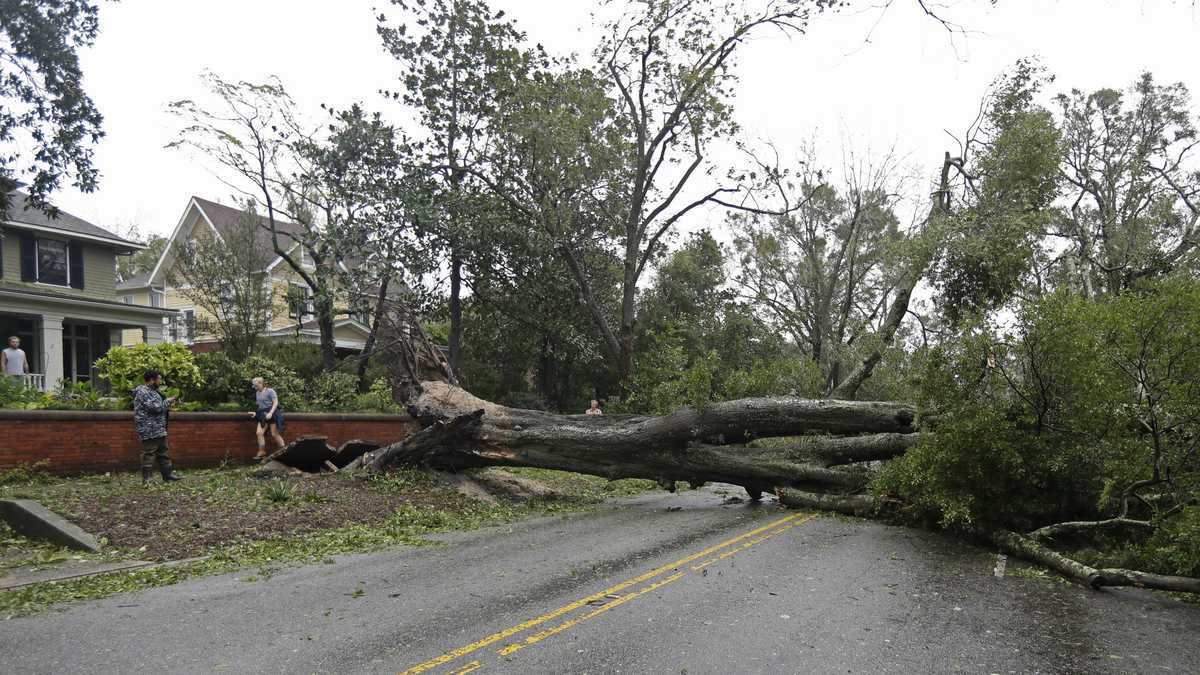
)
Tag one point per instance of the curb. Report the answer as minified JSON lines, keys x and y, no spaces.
{"x":35,"y":521}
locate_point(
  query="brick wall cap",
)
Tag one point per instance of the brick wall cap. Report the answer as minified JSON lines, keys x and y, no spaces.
{"x":126,"y":415}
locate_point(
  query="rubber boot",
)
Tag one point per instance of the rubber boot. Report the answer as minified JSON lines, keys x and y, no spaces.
{"x":168,"y":474}
{"x":147,"y":474}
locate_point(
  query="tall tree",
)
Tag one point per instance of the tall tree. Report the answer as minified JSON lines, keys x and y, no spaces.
{"x":670,"y":66}
{"x":824,"y":271}
{"x":48,"y":124}
{"x":223,"y":275}
{"x":457,"y":58}
{"x":1130,"y":165}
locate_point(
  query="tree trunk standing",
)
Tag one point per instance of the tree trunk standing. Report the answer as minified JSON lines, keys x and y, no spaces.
{"x":324,"y":308}
{"x":848,"y":388}
{"x":364,"y":360}
{"x":455,"y":338}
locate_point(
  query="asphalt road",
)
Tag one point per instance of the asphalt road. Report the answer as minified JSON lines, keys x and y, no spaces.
{"x":662,"y":584}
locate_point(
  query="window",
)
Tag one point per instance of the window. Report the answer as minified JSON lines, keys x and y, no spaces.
{"x":52,"y":262}
{"x":127,"y":299}
{"x":189,"y":324}
{"x":156,"y":298}
{"x":183,"y":326}
{"x":300,"y":302}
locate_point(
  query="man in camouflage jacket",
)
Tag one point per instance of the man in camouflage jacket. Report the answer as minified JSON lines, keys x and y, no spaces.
{"x":150,"y":412}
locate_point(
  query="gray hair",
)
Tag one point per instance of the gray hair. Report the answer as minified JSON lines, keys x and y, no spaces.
{"x":258,"y":380}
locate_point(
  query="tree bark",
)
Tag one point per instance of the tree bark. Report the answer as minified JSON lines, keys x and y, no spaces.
{"x":1027,"y":548}
{"x":364,"y":360}
{"x":463,"y":431}
{"x":455,"y":337}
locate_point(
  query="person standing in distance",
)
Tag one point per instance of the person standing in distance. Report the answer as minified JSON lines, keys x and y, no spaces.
{"x":13,"y":360}
{"x":594,"y":409}
{"x":150,"y":412}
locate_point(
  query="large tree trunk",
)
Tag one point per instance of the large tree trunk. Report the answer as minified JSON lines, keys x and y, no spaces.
{"x":455,"y":337}
{"x":463,"y":431}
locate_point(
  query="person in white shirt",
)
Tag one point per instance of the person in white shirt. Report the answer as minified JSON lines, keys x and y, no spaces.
{"x":595,"y":409}
{"x":12,"y":360}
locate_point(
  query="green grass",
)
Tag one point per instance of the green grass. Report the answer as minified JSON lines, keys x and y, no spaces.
{"x":408,"y":525}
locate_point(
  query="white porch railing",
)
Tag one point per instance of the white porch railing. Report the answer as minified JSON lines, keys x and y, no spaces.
{"x":35,"y":381}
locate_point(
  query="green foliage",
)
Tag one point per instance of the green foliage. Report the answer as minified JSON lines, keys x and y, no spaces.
{"x":1174,"y":548}
{"x":378,"y":398}
{"x":991,"y":243}
{"x":48,"y":124}
{"x":14,"y":394}
{"x":281,"y":378}
{"x":77,"y":396}
{"x":224,"y":381}
{"x":333,"y":391}
{"x":26,"y":473}
{"x":302,"y":358}
{"x":279,"y":492}
{"x":124,"y":367}
{"x":1082,"y":401}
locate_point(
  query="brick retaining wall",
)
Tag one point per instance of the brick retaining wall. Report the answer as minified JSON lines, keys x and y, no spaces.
{"x":89,"y":442}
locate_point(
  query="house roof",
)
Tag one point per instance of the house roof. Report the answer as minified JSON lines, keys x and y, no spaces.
{"x":226,"y":218}
{"x":21,"y":212}
{"x":134,"y":282}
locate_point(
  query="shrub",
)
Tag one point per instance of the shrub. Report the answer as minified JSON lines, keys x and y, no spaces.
{"x":76,"y":396}
{"x":14,"y":394}
{"x":224,"y":381}
{"x":333,"y":391}
{"x":124,"y":367}
{"x":279,"y":377}
{"x":378,"y":398}
{"x":303,"y":358}
{"x":1175,"y":546}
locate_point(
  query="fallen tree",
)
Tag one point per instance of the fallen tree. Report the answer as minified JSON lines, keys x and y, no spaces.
{"x":824,"y":465}
{"x":690,"y":445}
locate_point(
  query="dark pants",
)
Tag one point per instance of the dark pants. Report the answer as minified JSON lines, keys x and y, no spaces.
{"x":154,"y":450}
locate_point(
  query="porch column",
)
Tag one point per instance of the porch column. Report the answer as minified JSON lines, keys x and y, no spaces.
{"x":152,"y":333}
{"x":52,"y":349}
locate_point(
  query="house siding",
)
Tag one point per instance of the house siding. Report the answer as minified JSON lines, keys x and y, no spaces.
{"x":99,"y":269}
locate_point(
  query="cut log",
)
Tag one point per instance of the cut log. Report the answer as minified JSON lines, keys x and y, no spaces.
{"x":827,"y":451}
{"x":851,"y":505}
{"x":1061,"y":531}
{"x":463,"y":431}
{"x":1029,"y":549}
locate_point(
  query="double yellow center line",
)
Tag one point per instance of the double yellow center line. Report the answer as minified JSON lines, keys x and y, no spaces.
{"x":716,"y":551}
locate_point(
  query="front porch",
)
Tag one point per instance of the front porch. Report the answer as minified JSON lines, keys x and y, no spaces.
{"x":63,"y":337}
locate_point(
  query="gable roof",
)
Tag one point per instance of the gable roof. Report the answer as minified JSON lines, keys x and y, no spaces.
{"x":22,"y":213}
{"x":225,"y":218}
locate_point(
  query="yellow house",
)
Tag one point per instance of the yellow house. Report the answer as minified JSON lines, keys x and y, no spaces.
{"x":202,"y":219}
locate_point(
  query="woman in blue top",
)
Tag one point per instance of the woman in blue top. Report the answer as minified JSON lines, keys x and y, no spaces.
{"x":268,"y":415}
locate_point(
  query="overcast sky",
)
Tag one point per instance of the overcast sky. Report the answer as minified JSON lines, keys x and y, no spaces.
{"x":862,"y":78}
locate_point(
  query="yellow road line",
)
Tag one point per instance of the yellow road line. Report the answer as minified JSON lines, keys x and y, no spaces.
{"x":743,"y":547}
{"x":542,"y":635}
{"x":549,"y":632}
{"x":472,"y":666}
{"x":570,"y":607}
